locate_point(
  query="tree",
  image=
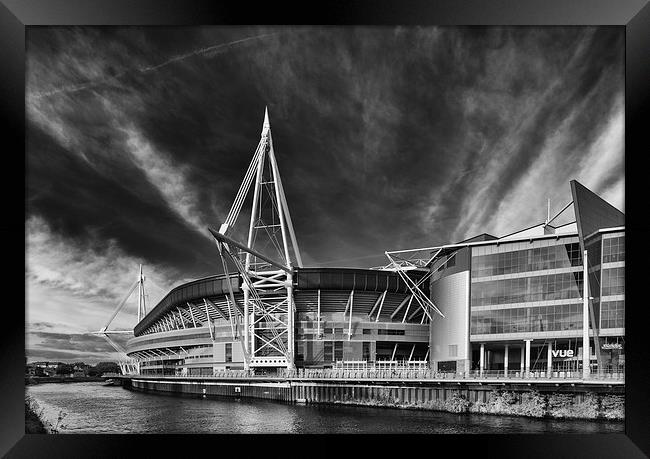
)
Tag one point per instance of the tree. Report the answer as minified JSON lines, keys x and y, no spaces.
{"x":64,"y":369}
{"x":107,"y":367}
{"x":92,"y":371}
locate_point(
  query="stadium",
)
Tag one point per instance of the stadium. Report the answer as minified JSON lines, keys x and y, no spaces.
{"x":548,"y":298}
{"x":350,"y":315}
{"x":268,"y":314}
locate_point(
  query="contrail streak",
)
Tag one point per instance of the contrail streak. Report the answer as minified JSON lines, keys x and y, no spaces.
{"x":90,"y":84}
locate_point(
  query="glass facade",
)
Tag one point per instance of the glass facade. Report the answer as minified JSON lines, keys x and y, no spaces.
{"x":613,"y":281}
{"x":533,"y":259}
{"x":511,"y":304}
{"x":528,"y":319}
{"x":614,"y":249}
{"x":561,"y":286}
{"x":612,"y":314}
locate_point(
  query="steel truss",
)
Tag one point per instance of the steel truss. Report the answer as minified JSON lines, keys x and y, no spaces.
{"x":269,"y":309}
{"x":425,"y":303}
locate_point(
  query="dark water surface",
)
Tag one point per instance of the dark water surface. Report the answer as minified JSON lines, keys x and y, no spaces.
{"x":94,"y":408}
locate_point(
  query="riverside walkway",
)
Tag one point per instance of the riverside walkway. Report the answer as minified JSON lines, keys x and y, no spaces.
{"x":403,"y":376}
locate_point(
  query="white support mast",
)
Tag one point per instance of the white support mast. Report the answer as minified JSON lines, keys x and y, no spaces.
{"x":128,"y":365}
{"x":142,"y":309}
{"x":585,"y":318}
{"x":269,"y":309}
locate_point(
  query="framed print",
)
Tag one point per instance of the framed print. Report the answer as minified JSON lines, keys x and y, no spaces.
{"x":360,"y":218}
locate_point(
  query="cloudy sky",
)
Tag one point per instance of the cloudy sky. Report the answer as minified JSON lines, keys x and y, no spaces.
{"x":386,"y":138}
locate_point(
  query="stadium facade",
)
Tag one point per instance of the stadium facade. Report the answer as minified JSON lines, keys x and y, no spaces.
{"x":342,"y":315}
{"x":509,"y":304}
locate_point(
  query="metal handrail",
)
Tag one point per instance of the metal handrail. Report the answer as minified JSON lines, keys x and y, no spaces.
{"x":333,"y":374}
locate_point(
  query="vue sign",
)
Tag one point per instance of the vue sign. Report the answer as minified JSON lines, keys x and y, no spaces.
{"x":562,"y":353}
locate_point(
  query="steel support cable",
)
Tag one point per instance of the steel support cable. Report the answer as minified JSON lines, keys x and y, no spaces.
{"x":232,"y":325}
{"x":115,"y":346}
{"x":119,"y":306}
{"x":244,"y":188}
{"x":225,"y":270}
{"x":240,"y":199}
{"x":560,"y":212}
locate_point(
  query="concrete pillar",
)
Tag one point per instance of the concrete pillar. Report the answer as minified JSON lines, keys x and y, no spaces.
{"x":585,"y":318}
{"x":505,"y":361}
{"x":522,"y":352}
{"x":482,"y":359}
{"x":549,"y":360}
{"x":528,"y":355}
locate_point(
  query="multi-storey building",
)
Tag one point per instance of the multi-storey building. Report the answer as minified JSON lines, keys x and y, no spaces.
{"x":515,"y":303}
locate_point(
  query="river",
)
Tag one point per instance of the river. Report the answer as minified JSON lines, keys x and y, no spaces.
{"x":94,"y":408}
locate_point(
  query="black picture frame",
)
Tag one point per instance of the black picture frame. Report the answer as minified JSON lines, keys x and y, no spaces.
{"x":634,"y":15}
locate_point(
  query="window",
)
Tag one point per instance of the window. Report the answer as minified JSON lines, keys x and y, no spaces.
{"x":338,"y":350}
{"x":366,"y":351}
{"x":390,"y":332}
{"x":328,"y":351}
{"x":613,"y":281}
{"x":228,"y":352}
{"x":338,"y":331}
{"x":328,"y":331}
{"x":614,"y":249}
{"x":612,"y":314}
{"x":367,"y":331}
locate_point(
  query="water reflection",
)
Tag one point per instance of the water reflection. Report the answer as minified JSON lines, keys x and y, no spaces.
{"x":93,"y":408}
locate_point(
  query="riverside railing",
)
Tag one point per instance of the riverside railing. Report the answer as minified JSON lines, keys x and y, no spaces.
{"x":333,"y":374}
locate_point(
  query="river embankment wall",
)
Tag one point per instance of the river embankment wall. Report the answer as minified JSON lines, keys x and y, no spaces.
{"x":569,"y":400}
{"x":33,"y":422}
{"x":61,"y":379}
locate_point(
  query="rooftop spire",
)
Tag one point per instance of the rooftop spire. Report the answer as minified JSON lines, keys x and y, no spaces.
{"x":267,"y":125}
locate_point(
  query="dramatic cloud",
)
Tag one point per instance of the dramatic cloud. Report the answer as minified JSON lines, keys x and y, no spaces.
{"x":73,"y":286}
{"x":386,"y":138}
